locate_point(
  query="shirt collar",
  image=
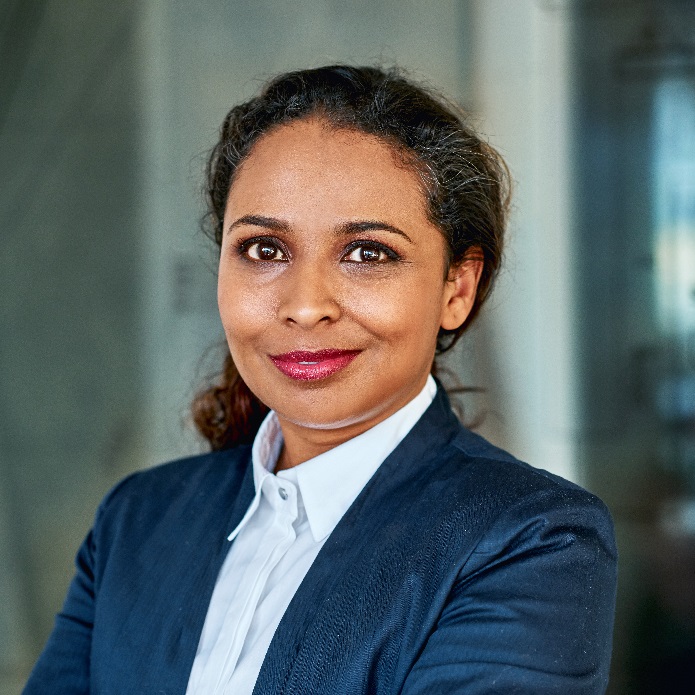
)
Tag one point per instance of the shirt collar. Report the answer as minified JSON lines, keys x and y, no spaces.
{"x":330,"y":483}
{"x":264,"y":455}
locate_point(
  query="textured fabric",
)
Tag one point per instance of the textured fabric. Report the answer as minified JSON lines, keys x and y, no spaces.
{"x":457,"y":569}
{"x":278,"y":539}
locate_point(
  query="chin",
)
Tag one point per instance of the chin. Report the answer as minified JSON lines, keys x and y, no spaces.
{"x":315,"y":413}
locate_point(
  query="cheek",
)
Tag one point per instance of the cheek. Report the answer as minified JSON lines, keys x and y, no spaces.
{"x":406,"y":313}
{"x":244,"y":310}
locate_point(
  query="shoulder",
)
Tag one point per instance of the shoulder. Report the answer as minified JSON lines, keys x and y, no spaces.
{"x":459,"y":472}
{"x":200,"y":467}
{"x":484,"y":458}
{"x":176,"y":489}
{"x":522,"y":502}
{"x":182,"y":476}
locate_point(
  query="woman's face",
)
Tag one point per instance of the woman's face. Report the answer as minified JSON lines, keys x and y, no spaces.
{"x":332,"y":284}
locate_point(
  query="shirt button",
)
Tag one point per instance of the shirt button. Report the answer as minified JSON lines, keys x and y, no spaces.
{"x":282,"y":492}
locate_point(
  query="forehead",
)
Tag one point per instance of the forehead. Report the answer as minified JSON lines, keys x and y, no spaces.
{"x":348,"y":173}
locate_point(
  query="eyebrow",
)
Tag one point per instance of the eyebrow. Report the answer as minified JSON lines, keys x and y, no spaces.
{"x":345,"y":228}
{"x":259,"y":221}
{"x":368,"y":226}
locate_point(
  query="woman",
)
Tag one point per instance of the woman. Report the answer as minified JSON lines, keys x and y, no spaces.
{"x":378,"y":545}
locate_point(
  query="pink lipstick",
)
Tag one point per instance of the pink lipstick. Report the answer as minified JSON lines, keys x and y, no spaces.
{"x":305,"y":365}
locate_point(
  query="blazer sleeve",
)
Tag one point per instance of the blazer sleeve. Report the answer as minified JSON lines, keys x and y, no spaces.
{"x":532,"y":609}
{"x":63,"y":666}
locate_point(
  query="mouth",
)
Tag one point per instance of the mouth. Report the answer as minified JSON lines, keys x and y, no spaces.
{"x":304,"y":365}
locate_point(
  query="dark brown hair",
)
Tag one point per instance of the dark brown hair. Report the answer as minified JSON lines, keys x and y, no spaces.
{"x":465,"y":182}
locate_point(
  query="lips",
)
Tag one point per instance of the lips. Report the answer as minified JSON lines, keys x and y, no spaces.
{"x":305,"y":365}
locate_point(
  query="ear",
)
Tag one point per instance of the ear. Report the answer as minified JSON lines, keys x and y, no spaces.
{"x":460,"y":288}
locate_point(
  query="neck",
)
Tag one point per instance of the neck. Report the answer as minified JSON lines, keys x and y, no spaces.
{"x":302,"y":442}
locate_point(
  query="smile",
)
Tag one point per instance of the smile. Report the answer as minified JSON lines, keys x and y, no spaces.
{"x":310,"y":366}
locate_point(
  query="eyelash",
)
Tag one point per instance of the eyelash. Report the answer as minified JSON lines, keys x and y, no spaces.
{"x":390,"y":254}
{"x":244,"y":246}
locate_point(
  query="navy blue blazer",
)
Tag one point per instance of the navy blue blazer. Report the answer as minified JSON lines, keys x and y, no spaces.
{"x":458,"y":569}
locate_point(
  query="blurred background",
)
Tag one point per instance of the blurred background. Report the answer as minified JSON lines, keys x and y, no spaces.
{"x":586,"y":353}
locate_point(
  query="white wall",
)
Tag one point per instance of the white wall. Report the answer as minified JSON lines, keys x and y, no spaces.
{"x":522,"y":89}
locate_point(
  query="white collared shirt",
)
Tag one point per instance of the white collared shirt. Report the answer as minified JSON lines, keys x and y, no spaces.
{"x":290,"y":518}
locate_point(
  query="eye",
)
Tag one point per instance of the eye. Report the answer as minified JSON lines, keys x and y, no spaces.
{"x":262,"y":250}
{"x":362,"y":252}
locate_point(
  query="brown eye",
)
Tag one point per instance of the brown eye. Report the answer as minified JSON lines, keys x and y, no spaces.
{"x":367,"y":254}
{"x":265,"y":251}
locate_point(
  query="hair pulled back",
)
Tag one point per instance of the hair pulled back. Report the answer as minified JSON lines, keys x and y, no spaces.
{"x":464,"y":181}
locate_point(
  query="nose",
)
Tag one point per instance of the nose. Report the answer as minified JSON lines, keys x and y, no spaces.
{"x":309,"y":297}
